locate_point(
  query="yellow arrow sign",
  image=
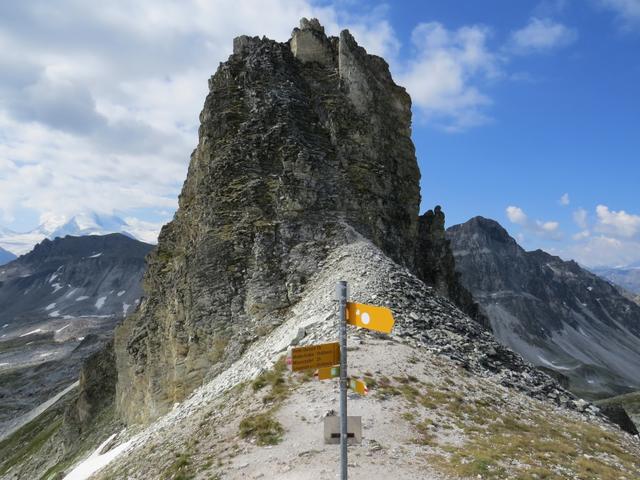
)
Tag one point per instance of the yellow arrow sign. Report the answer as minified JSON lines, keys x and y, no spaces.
{"x":358,"y":386}
{"x":314,"y":356}
{"x":370,"y":316}
{"x":326,"y":373}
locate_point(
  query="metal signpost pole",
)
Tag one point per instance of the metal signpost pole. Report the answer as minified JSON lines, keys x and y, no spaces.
{"x":342,"y":298}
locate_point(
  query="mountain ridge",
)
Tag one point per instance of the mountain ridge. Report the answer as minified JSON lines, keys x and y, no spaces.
{"x":59,"y":304}
{"x":553,"y":312}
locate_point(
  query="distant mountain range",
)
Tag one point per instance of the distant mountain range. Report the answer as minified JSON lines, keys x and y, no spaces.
{"x":5,"y":256}
{"x":556,"y":314}
{"x":58,"y":304}
{"x":627,"y":277}
{"x":78,"y":225}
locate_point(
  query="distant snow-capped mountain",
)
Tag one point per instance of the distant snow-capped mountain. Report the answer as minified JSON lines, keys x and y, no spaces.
{"x":54,"y":226}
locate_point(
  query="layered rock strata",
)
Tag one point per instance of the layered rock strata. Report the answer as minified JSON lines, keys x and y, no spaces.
{"x":297,"y":141}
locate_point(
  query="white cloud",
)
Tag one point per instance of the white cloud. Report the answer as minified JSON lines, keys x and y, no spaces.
{"x":99,"y":106}
{"x":517,"y":215}
{"x":580,"y":218}
{"x":581,"y":235}
{"x":603,"y":250}
{"x":628,"y":11}
{"x":547,"y":229}
{"x":565,"y":200}
{"x":615,"y":243}
{"x":619,"y":224}
{"x":442,"y":79}
{"x":542,"y":34}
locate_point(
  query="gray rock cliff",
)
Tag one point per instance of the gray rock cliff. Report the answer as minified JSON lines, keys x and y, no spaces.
{"x":435,"y":264}
{"x":301,"y":143}
{"x":554,"y":313}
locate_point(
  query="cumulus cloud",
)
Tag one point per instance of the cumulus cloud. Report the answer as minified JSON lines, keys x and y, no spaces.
{"x":542,"y":34}
{"x":517,"y":215}
{"x":603,"y":250}
{"x":547,"y":229}
{"x":565,"y":200}
{"x":580,"y":218}
{"x":442,"y":79}
{"x":613,"y":240}
{"x":620,"y":223}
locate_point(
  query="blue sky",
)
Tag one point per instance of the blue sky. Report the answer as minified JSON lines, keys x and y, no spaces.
{"x":527,"y":112}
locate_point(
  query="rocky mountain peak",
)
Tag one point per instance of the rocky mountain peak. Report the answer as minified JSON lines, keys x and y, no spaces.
{"x":303,"y":146}
{"x":554,"y":313}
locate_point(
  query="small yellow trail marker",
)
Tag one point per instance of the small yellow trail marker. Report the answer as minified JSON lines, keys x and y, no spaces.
{"x":326,"y":373}
{"x":358,"y":386}
{"x":371,"y":317}
{"x":314,"y":356}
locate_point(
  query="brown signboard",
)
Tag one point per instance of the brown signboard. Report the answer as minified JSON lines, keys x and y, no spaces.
{"x":315,"y":356}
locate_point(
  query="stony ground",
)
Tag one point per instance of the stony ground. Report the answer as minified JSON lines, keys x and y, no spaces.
{"x":431,"y":414}
{"x":445,"y":402}
{"x":425,"y":418}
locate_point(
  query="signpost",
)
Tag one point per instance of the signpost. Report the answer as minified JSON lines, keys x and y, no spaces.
{"x":342,"y":305}
{"x":315,"y":356}
{"x":371,"y":317}
{"x":325,"y":373}
{"x":358,"y":386}
{"x":330,"y":360}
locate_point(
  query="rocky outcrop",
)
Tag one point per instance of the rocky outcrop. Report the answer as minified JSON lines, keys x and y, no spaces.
{"x":301,"y":144}
{"x":552,"y":312}
{"x":618,"y":415}
{"x":58,"y":305}
{"x":435,"y":264}
{"x":97,"y":388}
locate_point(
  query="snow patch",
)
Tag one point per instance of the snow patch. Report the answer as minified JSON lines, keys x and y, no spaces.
{"x":125,"y":308}
{"x":551,"y":364}
{"x":60,"y":329}
{"x":51,"y":306}
{"x":71,"y":292}
{"x":100,"y":302}
{"x":56,"y":287}
{"x":96,"y":255}
{"x":83,"y":297}
{"x":32,"y":332}
{"x":5,"y":325}
{"x":121,"y":292}
{"x":54,"y":314}
{"x":96,"y":460}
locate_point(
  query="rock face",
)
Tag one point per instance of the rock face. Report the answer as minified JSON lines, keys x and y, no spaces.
{"x":58,"y":305}
{"x":435,"y":264}
{"x":301,"y":146}
{"x":552,"y":312}
{"x":97,"y":386}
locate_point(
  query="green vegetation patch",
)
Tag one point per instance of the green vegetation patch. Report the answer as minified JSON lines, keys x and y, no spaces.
{"x":510,"y":441}
{"x":263,"y":428}
{"x":28,"y":440}
{"x":180,"y":469}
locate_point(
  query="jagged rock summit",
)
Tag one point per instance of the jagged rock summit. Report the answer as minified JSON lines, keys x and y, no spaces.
{"x":301,"y":143}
